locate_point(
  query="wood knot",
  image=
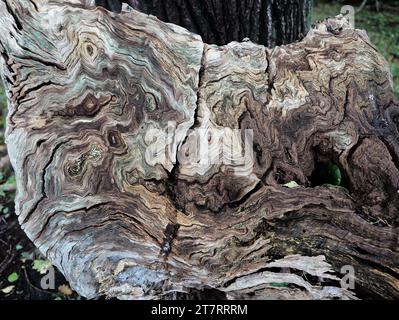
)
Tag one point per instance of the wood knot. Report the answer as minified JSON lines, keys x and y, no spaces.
{"x":133,"y":177}
{"x":115,"y":139}
{"x":89,"y":51}
{"x":334,"y":29}
{"x":76,"y":167}
{"x":88,"y":105}
{"x":150,"y":102}
{"x":170,"y":233}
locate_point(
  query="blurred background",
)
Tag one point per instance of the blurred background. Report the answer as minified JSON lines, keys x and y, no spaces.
{"x":22,"y":266}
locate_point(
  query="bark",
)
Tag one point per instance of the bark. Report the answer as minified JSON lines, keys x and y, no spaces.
{"x":90,"y":93}
{"x":267,"y":22}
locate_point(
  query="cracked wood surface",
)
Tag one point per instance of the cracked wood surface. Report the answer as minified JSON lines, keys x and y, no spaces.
{"x":125,"y":213}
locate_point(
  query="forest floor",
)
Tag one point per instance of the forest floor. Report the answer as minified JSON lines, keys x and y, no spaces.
{"x":22,"y":267}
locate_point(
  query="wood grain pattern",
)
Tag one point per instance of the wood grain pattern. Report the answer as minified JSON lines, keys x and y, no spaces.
{"x":90,"y":93}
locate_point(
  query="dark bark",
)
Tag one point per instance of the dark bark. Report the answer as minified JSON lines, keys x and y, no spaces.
{"x":268,"y":22}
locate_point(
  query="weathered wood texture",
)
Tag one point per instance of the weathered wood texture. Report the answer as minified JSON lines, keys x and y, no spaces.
{"x":89,"y":92}
{"x":267,"y":22}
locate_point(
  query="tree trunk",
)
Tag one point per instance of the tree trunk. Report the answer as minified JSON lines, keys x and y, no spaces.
{"x":267,"y":22}
{"x":150,"y":164}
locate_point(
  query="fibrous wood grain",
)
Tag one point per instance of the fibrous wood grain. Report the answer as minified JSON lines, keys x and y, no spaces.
{"x":108,"y":114}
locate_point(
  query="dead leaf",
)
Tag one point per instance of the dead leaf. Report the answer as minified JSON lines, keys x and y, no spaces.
{"x":65,"y":289}
{"x":8,"y":289}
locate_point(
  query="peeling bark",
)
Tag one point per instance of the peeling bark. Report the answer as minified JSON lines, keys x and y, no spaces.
{"x":91,"y":91}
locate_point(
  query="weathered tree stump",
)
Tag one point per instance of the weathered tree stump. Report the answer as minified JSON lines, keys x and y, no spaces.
{"x":114,"y":184}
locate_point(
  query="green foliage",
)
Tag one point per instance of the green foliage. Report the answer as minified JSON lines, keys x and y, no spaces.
{"x":41,"y":266}
{"x":27,"y":255}
{"x":333,"y":173}
{"x":8,"y":186}
{"x":13,"y":277}
{"x":326,"y":174}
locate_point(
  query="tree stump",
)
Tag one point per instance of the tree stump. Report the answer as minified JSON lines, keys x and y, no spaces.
{"x":150,"y":164}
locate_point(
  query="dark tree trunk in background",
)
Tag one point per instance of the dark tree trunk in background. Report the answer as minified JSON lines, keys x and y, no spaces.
{"x":268,"y":22}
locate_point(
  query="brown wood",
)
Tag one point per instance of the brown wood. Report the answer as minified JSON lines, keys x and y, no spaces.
{"x":89,"y":89}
